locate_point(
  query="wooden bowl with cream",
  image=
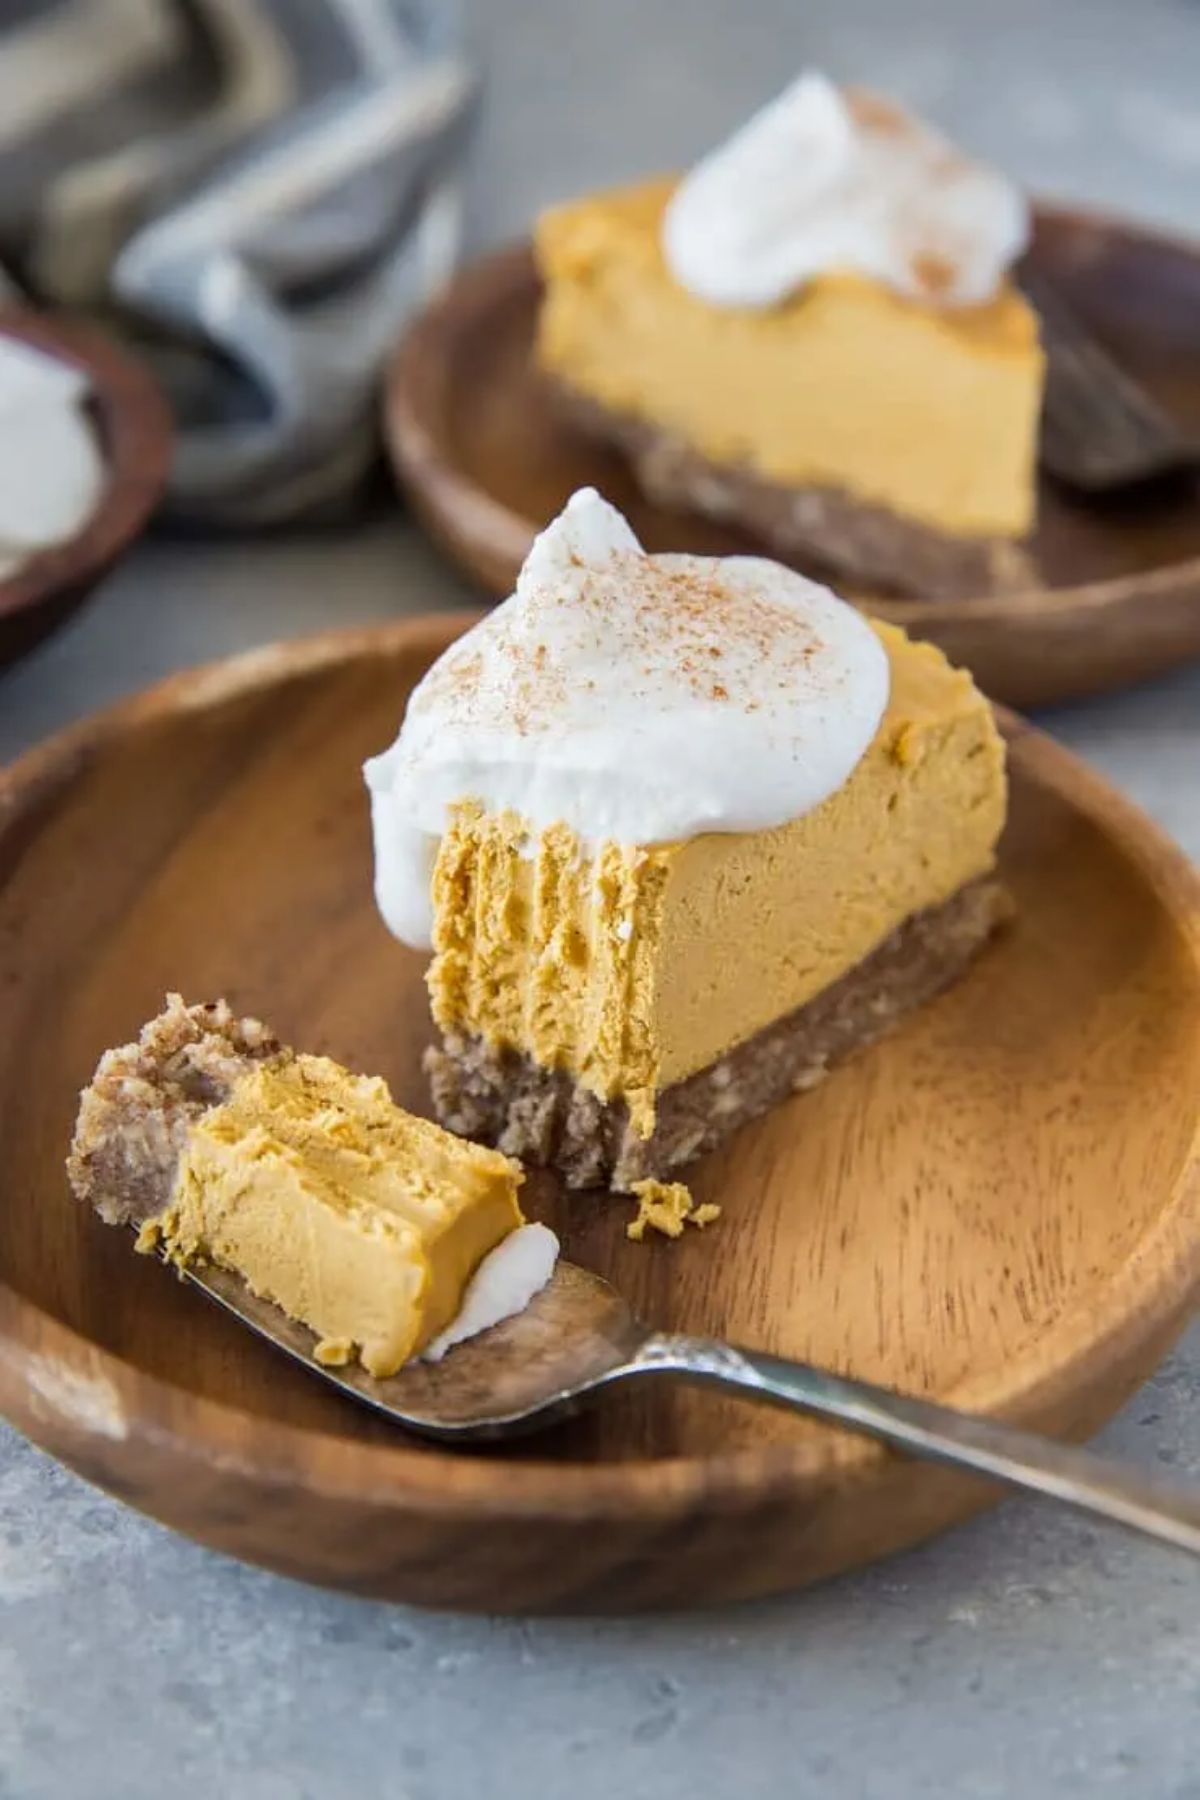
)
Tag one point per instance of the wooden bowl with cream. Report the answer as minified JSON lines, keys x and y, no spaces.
{"x":41,"y":583}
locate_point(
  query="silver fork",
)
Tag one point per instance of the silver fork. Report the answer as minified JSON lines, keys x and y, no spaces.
{"x":1100,"y":430}
{"x":578,"y":1338}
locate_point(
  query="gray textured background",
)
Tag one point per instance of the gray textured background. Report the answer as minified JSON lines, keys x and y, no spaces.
{"x":1027,"y":1654}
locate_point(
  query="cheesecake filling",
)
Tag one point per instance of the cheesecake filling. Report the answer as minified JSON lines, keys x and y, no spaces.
{"x":637,"y":969}
{"x":821,"y":318}
{"x":361,"y":1221}
{"x":380,"y":1231}
{"x":552,"y":763}
{"x":825,"y":180}
{"x":542,"y":945}
{"x":544,"y":1117}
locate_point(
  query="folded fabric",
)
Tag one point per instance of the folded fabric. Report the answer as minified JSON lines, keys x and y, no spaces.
{"x":259,"y":192}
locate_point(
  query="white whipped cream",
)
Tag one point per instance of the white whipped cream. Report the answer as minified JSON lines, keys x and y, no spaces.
{"x":633,"y":697}
{"x":504,"y":1283}
{"x":51,"y":469}
{"x":823,"y":180}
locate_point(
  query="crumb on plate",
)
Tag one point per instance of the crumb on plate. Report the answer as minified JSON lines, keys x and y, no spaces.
{"x":667,"y":1206}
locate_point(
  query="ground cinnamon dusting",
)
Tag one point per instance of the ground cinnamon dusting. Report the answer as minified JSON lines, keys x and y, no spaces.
{"x":663,"y":620}
{"x":690,"y":608}
{"x":878,"y":114}
{"x":459,"y":675}
{"x":934,"y":274}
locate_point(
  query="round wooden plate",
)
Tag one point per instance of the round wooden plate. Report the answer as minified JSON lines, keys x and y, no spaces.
{"x":1000,"y":1205}
{"x":487,"y":459}
{"x":134,"y":427}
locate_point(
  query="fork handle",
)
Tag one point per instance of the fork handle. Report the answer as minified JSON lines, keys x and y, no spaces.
{"x":1080,"y":1478}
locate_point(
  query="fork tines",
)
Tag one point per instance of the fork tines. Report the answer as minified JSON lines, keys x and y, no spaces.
{"x":1100,"y":430}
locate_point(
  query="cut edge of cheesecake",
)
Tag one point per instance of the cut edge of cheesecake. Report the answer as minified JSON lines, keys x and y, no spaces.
{"x":826,"y":529}
{"x":546,"y":1118}
{"x":726,"y":469}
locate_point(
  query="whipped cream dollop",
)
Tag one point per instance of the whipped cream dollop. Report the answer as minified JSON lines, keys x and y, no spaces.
{"x":51,"y":469}
{"x":505,"y":1282}
{"x":824,"y":179}
{"x":632,"y":697}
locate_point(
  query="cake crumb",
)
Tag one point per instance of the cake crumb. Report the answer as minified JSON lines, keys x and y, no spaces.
{"x":334,"y":1353}
{"x":148,"y":1237}
{"x":667,"y":1206}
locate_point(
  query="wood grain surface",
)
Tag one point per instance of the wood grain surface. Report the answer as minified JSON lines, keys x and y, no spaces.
{"x":133,"y":425}
{"x":487,"y":458}
{"x":998,"y":1206}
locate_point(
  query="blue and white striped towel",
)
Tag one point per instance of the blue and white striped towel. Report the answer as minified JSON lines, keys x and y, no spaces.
{"x":259,"y":192}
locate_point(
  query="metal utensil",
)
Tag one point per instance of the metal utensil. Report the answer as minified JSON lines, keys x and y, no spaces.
{"x":1100,"y":430}
{"x":578,"y":1338}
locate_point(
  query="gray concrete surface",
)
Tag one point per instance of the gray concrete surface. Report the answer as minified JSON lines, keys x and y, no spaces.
{"x":1028,"y":1654}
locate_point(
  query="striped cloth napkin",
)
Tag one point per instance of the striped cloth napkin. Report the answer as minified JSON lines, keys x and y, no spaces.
{"x":258,"y":192}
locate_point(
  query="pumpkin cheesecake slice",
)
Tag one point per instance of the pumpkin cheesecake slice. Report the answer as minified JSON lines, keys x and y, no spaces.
{"x":363,"y":1222}
{"x":815,"y":335}
{"x":681,"y":833}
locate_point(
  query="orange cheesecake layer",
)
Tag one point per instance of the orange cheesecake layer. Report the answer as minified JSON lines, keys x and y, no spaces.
{"x":631,"y":967}
{"x":929,"y":413}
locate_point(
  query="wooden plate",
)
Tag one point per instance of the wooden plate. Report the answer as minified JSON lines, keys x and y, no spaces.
{"x":1001,"y":1205}
{"x":486,"y":459}
{"x":134,"y":428}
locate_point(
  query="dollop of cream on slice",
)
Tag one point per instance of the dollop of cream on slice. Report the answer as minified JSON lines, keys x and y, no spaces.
{"x":502,"y":1286}
{"x":639,"y":698}
{"x":51,"y":469}
{"x":824,"y":179}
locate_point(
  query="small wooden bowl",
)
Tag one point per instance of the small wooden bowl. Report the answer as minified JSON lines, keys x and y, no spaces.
{"x":487,"y":459}
{"x":134,"y":428}
{"x":999,"y":1205}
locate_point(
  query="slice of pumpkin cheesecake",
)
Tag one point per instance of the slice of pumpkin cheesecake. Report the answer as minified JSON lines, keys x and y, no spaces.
{"x":365,"y":1223}
{"x":681,"y":834}
{"x":814,"y":334}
